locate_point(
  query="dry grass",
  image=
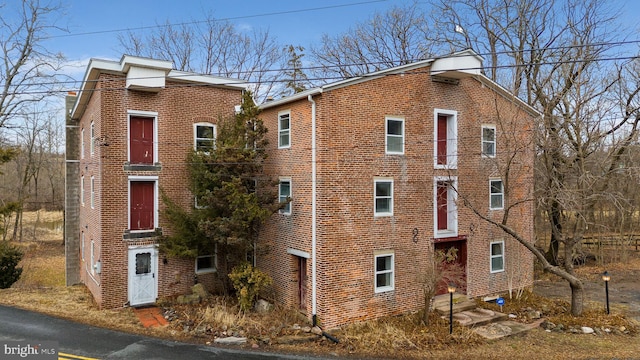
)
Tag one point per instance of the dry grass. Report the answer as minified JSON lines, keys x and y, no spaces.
{"x":399,"y":337}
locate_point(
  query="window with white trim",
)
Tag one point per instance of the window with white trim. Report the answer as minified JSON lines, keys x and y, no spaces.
{"x":445,"y":149}
{"x":82,"y":190}
{"x":82,"y":245}
{"x":284,"y":129}
{"x":445,"y":208}
{"x":93,"y":193}
{"x":82,"y":144}
{"x":284,"y":195}
{"x":496,"y":194}
{"x":92,"y":138}
{"x":205,"y":264}
{"x":394,"y":135}
{"x":92,"y":256}
{"x":497,"y":256}
{"x":488,"y":141}
{"x":142,"y":137}
{"x":384,"y":272}
{"x":383,"y":197}
{"x":204,"y":136}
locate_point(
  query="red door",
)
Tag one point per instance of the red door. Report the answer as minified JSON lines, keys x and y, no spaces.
{"x":141,"y":140}
{"x":442,"y":191}
{"x":453,"y":270}
{"x":442,"y":140}
{"x":302,"y":283}
{"x":142,"y":205}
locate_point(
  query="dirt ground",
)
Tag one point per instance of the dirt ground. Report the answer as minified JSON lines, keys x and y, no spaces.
{"x":624,"y":286}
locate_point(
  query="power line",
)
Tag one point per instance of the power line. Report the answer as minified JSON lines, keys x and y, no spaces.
{"x":216,"y":20}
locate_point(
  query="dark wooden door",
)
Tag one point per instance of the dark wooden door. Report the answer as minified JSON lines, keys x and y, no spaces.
{"x":141,"y":140}
{"x":142,"y":205}
{"x":302,"y":283}
{"x":457,"y":266}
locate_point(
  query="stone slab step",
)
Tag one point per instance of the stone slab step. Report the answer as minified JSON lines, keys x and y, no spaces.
{"x":478,"y":317}
{"x":461,"y":303}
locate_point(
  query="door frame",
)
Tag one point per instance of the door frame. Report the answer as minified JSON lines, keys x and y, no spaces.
{"x":131,"y":273}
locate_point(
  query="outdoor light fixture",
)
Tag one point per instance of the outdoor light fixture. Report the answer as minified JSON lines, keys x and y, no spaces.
{"x":451,"y":288}
{"x":606,"y":277}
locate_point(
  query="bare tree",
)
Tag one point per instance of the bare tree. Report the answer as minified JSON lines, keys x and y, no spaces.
{"x":551,"y":54}
{"x":213,"y":47}
{"x":28,"y":69}
{"x":398,"y":36}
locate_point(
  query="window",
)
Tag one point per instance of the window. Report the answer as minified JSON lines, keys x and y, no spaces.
{"x":93,"y":193}
{"x":141,"y":140}
{"x":284,"y":195}
{"x":445,"y":208}
{"x":143,"y":203}
{"x":383,"y":197}
{"x":92,"y":139}
{"x":204,"y":135}
{"x":446,"y":139}
{"x":92,"y":263}
{"x":82,"y":245}
{"x":205,"y":264}
{"x":497,"y":256}
{"x":489,"y":141}
{"x":395,"y":135}
{"x":82,"y":190}
{"x":82,"y":144}
{"x":496,"y":197}
{"x":284,"y":130}
{"x":383,"y":272}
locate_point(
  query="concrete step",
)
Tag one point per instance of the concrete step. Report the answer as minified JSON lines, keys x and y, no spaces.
{"x":461,"y":302}
{"x":478,"y":317}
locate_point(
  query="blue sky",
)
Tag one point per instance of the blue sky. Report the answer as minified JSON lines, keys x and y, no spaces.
{"x":92,"y":23}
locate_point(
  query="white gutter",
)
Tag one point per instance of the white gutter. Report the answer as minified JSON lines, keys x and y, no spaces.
{"x":314,"y":301}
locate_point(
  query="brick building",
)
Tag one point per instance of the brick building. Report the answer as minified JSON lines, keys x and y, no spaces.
{"x":381,"y":170}
{"x":385,"y":168}
{"x":128,"y":134}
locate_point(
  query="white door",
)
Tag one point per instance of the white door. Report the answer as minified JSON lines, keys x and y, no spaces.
{"x":143,"y":271}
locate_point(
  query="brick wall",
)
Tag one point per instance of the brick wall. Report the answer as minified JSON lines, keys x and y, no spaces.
{"x":351,"y":153}
{"x":178,"y":107}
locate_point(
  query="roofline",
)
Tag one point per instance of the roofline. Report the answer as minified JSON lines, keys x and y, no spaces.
{"x":95,"y":67}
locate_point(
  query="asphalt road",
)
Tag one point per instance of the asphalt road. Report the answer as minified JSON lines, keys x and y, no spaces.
{"x":93,"y":342}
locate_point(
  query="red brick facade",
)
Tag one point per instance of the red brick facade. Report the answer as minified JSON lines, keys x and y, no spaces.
{"x":176,"y":107}
{"x":350,"y":150}
{"x":350,"y":156}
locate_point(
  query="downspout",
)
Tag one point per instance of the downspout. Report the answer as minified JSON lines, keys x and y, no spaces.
{"x":314,"y":302}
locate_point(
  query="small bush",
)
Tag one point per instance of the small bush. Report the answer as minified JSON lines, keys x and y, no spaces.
{"x":10,"y":256}
{"x":248,"y":281}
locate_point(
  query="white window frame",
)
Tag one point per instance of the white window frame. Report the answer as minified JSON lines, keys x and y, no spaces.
{"x":82,"y":245}
{"x":376,"y":272}
{"x":288,"y":209}
{"x":155,"y":201}
{"x":387,"y":135}
{"x":377,"y":213}
{"x":93,"y":193}
{"x":282,"y":131}
{"x":149,"y":114}
{"x":452,"y":207}
{"x":492,"y":194}
{"x":92,"y":138}
{"x":452,"y":139}
{"x":82,"y":190}
{"x":493,"y":141}
{"x":214,"y":263}
{"x":493,"y":256}
{"x":196,"y":138}
{"x":82,"y":150}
